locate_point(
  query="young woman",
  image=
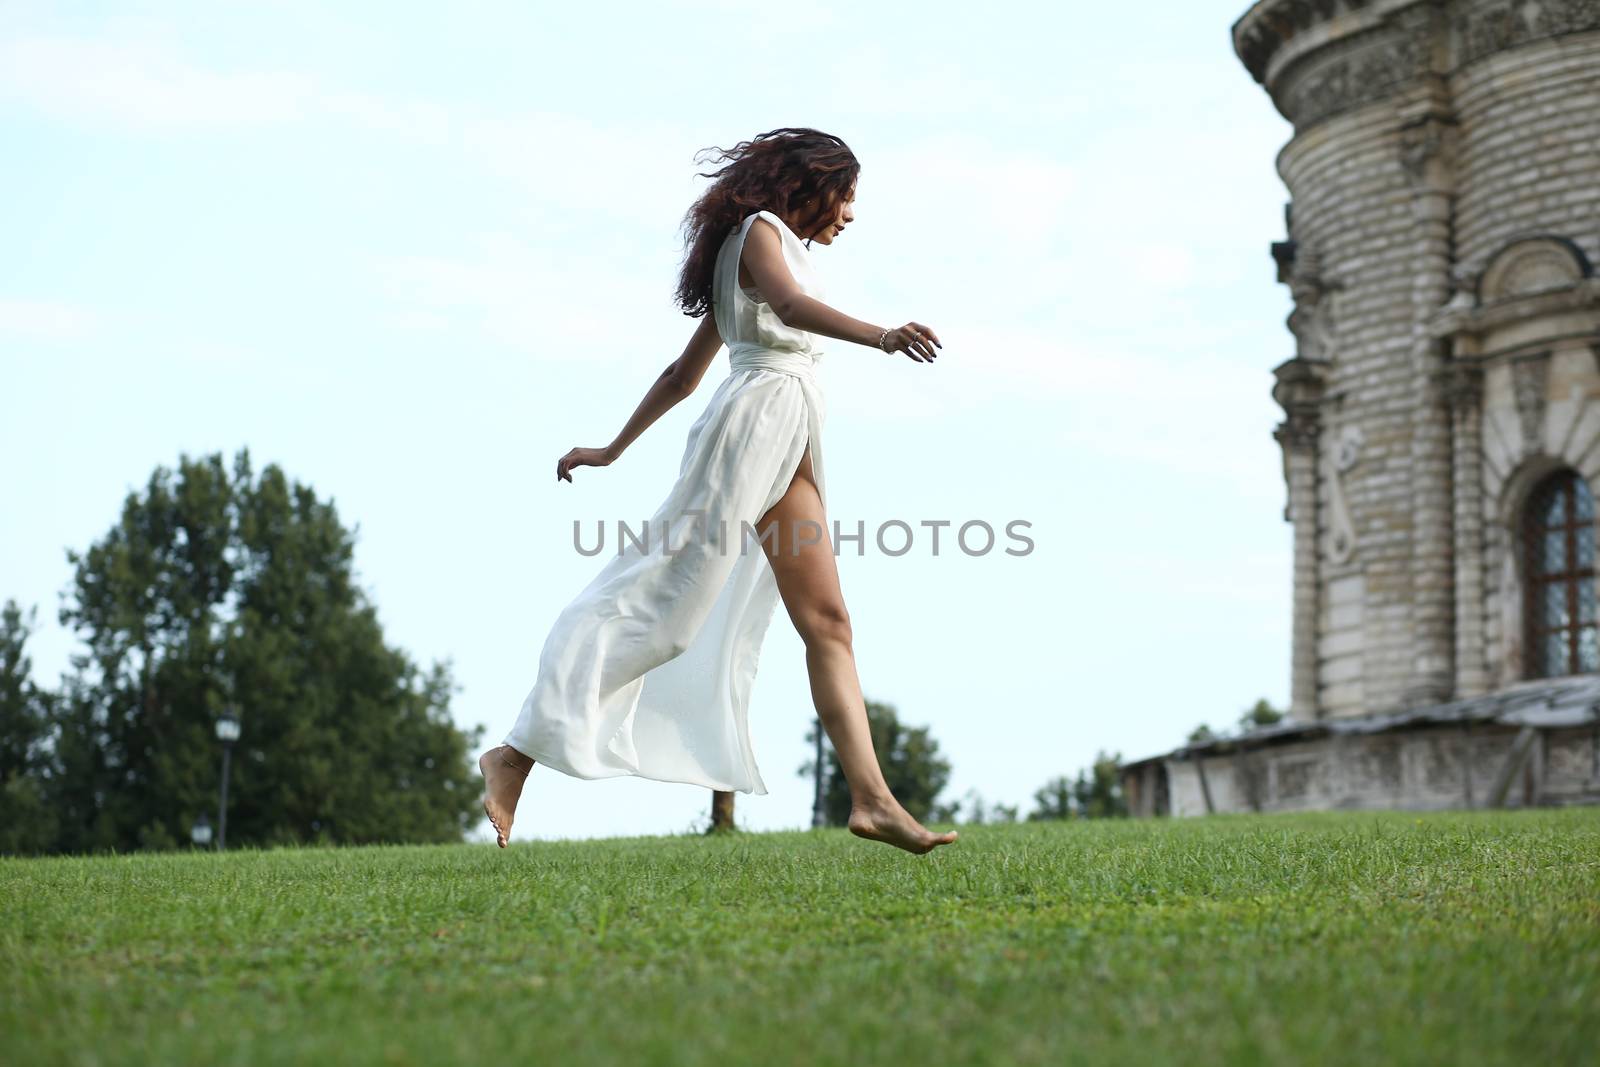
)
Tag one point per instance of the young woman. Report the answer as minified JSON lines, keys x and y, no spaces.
{"x":648,"y":671}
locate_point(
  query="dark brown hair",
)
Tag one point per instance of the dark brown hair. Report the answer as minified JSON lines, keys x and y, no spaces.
{"x":776,"y":171}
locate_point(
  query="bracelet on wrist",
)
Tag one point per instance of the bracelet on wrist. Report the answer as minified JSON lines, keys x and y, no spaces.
{"x":881,"y":336}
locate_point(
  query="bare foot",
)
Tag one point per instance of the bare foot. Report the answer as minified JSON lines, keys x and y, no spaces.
{"x":504,"y":770}
{"x":893,"y":824}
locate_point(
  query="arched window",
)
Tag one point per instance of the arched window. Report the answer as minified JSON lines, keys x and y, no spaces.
{"x":1558,"y":550}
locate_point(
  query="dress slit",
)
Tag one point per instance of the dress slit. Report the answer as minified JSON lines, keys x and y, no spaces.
{"x":648,"y":670}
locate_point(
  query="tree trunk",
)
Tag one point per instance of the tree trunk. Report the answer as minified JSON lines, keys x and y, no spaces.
{"x":721,"y":811}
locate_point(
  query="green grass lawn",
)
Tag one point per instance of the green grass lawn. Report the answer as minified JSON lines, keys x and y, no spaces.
{"x":1349,"y":938}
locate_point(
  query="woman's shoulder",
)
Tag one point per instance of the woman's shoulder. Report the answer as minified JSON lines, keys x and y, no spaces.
{"x":777,"y":223}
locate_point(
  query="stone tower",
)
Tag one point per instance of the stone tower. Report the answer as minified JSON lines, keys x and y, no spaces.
{"x":1441,"y":430}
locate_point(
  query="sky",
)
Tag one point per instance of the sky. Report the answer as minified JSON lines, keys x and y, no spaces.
{"x":413,"y":253}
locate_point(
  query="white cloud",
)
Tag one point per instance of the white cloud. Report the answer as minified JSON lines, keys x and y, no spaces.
{"x":565,"y":162}
{"x":142,"y":83}
{"x":45,"y":320}
{"x":416,"y":120}
{"x":523,"y":295}
{"x":573,"y":168}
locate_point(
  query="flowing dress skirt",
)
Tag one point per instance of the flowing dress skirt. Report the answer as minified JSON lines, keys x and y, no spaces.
{"x":648,"y":671}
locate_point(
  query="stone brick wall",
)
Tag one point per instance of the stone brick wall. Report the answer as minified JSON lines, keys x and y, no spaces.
{"x":1418,"y":769}
{"x":1445,"y":359}
{"x":1530,"y":151}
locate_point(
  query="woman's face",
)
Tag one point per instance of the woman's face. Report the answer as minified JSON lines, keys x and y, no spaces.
{"x":843,"y":214}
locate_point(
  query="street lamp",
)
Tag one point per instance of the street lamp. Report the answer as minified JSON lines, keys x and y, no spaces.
{"x":200,"y":832}
{"x":227,"y":733}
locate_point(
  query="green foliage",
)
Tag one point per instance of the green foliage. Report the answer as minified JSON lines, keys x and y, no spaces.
{"x":974,"y":810}
{"x":909,"y":757}
{"x":1098,"y":790}
{"x":24,"y":708}
{"x":1096,"y":793}
{"x":1259,"y":714}
{"x":1056,"y":799}
{"x":214,"y":591}
{"x":1255,"y":716}
{"x":27,"y":822}
{"x":1313,"y":939}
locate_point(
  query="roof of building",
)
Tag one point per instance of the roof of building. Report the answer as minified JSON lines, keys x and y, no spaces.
{"x":1544,"y":702}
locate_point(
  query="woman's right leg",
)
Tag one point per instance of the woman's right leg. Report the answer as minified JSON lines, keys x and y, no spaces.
{"x":504,"y":770}
{"x":802,"y":560}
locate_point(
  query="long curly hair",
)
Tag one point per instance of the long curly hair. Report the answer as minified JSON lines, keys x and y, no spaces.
{"x":776,"y":171}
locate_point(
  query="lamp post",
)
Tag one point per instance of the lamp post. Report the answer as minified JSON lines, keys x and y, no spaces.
{"x":227,"y":733}
{"x":200,"y":832}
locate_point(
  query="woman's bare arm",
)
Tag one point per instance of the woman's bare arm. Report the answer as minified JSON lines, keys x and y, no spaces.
{"x":763,"y":257}
{"x":675,"y":383}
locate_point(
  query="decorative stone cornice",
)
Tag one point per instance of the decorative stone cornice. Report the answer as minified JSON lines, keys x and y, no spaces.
{"x":1320,"y":57}
{"x":1270,"y":28}
{"x":1299,"y":391}
{"x":1353,"y":71}
{"x":1460,"y":318}
{"x":1297,"y":432}
{"x":1270,"y":24}
{"x":1487,"y":27}
{"x":1530,"y":265}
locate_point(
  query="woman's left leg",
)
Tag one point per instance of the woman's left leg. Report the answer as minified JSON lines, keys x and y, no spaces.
{"x":504,"y":770}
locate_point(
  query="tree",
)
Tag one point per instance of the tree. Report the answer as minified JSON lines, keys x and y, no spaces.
{"x":945,"y":811}
{"x":1055,"y":799}
{"x":981,"y":812}
{"x":1259,"y":714}
{"x":1098,"y":791}
{"x":27,"y":821}
{"x":978,"y":811}
{"x":1254,"y":717}
{"x":213,"y":591}
{"x":721,"y":811}
{"x":1095,"y":793}
{"x":908,"y":756}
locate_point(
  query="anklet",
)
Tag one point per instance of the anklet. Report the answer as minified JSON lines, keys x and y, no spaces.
{"x":513,"y":766}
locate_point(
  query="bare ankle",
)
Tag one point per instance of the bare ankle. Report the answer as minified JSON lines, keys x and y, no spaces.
{"x":516,"y":759}
{"x":874,"y":800}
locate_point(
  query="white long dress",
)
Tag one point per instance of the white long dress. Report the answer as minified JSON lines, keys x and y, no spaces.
{"x":648,"y":671}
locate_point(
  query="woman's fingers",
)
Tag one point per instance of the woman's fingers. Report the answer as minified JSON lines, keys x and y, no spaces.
{"x":904,"y":339}
{"x":927,"y":333}
{"x":580,"y":457}
{"x":926,"y":340}
{"x":920,"y":343}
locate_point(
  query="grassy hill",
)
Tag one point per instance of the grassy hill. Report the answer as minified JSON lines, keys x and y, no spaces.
{"x":1466,"y":938}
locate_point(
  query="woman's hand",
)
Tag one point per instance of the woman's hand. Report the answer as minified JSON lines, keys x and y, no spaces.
{"x":582,"y":457}
{"x":916,"y":340}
